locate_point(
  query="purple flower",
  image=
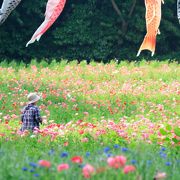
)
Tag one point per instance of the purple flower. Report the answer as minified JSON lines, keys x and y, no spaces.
{"x":116,"y":146}
{"x":24,"y":168}
{"x":34,"y":165}
{"x":163,"y":155}
{"x":51,"y":152}
{"x":133,"y":161}
{"x":32,"y":170}
{"x":124,"y":149}
{"x":109,"y":155}
{"x":168,"y":163}
{"x":88,"y":154}
{"x":64,"y":154}
{"x":106,"y":149}
{"x":36,"y":175}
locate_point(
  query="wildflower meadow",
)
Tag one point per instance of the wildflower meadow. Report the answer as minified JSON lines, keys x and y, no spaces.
{"x":100,"y":121}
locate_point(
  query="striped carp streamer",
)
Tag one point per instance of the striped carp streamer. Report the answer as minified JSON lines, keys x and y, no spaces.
{"x":7,"y":7}
{"x":53,"y":10}
{"x":153,"y":18}
{"x":178,"y":10}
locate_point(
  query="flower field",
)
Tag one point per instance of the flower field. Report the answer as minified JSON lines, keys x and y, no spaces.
{"x":113,"y":121}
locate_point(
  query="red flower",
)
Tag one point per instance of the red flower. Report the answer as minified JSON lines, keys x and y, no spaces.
{"x":79,"y":121}
{"x":44,"y":163}
{"x":129,"y":168}
{"x":2,"y":134}
{"x":77,"y":159}
{"x":81,"y":131}
{"x":66,"y":143}
{"x":62,"y":167}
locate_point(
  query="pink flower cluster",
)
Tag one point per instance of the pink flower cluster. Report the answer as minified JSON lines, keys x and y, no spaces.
{"x":120,"y":162}
{"x":88,"y":170}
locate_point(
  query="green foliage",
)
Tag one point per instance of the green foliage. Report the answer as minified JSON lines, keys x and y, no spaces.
{"x":87,"y":30}
{"x":168,"y":133}
{"x":127,"y":98}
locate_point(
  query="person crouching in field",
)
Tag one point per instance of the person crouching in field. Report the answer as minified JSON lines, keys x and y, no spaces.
{"x":31,"y":114}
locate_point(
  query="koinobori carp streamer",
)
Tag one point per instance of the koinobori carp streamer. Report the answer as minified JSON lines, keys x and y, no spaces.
{"x":7,"y":7}
{"x":53,"y":10}
{"x":153,"y":19}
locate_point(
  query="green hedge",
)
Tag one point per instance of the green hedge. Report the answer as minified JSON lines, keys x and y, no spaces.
{"x":89,"y":29}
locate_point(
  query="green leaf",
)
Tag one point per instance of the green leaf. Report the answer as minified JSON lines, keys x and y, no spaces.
{"x":175,"y":140}
{"x":168,"y":127}
{"x":163,"y":132}
{"x":177,"y":131}
{"x":167,"y":139}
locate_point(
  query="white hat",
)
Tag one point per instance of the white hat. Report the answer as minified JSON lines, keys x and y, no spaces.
{"x":32,"y":98}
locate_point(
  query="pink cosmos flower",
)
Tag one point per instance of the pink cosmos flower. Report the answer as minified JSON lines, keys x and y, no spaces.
{"x":39,"y":140}
{"x":34,"y":68}
{"x":128,"y":168}
{"x":145,"y":135}
{"x":77,"y":159}
{"x":84,"y":140}
{"x":116,"y":162}
{"x":88,"y":170}
{"x":7,"y":117}
{"x":111,"y":161}
{"x":86,"y":113}
{"x":14,"y":116}
{"x":44,"y":95}
{"x":160,"y":175}
{"x":64,"y":105}
{"x":62,"y":167}
{"x":73,"y":99}
{"x":49,"y":102}
{"x":44,"y":163}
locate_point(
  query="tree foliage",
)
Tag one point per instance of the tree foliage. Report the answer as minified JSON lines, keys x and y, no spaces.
{"x":90,"y":29}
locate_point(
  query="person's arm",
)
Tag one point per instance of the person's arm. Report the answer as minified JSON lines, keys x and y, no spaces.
{"x":37,"y":116}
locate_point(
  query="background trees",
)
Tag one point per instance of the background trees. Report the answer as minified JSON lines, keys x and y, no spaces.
{"x":91,"y":29}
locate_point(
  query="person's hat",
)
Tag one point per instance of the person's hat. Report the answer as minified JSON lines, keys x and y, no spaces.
{"x":32,"y":98}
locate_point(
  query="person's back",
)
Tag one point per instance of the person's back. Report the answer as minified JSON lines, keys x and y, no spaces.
{"x":31,"y":115}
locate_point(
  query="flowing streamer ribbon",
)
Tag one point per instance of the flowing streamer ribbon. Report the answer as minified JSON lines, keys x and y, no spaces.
{"x":153,"y":19}
{"x":53,"y":10}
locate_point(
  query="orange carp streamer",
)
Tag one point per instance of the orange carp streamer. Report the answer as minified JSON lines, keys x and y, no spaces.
{"x":53,"y":10}
{"x":153,"y":19}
